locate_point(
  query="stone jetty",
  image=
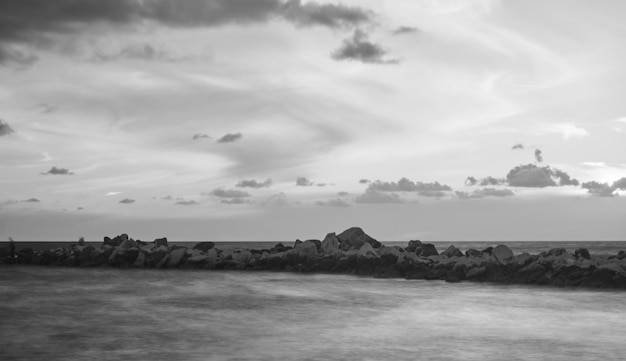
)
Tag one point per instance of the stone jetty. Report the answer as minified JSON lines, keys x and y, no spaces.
{"x":350,"y":252}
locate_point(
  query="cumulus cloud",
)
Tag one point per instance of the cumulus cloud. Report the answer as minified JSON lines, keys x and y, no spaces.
{"x":29,"y":21}
{"x":359,"y":48}
{"x":186,"y":203}
{"x":364,"y":181}
{"x":405,"y":30}
{"x":230,"y":138}
{"x":373,"y":196}
{"x":333,"y":203}
{"x":229,"y":193}
{"x":599,"y":189}
{"x":252,"y":183}
{"x":432,"y":194}
{"x":470,"y":181}
{"x":485,"y":192}
{"x":620,"y":184}
{"x":567,"y":130}
{"x":5,"y":129}
{"x":31,"y":200}
{"x":303,"y":182}
{"x":491,"y":181}
{"x":58,"y":171}
{"x":538,"y":156}
{"x":127,"y":201}
{"x":517,"y":146}
{"x":406,"y":185}
{"x":530,"y":175}
{"x":198,"y":136}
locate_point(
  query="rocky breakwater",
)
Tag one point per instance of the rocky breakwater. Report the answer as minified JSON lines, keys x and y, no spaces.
{"x":350,"y":252}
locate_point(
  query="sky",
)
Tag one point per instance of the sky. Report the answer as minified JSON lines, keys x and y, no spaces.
{"x":271,"y":120}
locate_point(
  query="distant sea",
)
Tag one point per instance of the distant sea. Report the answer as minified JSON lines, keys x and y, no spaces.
{"x":532,"y":247}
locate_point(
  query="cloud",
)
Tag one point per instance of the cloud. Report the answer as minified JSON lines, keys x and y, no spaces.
{"x":620,"y":184}
{"x":58,"y":171}
{"x":303,"y":182}
{"x":470,"y":181}
{"x":229,"y":193}
{"x":518,"y":146}
{"x":568,"y":131}
{"x":364,"y":181}
{"x":485,"y":192}
{"x":252,"y":183}
{"x":200,"y":136}
{"x":359,"y":48}
{"x":186,"y":203}
{"x":230,"y":138}
{"x":405,"y":30}
{"x":599,"y":189}
{"x":30,"y":21}
{"x":235,"y":201}
{"x":276,"y":200}
{"x":333,"y":203}
{"x":343,"y":194}
{"x":531,"y":175}
{"x":405,"y":185}
{"x":12,"y":55}
{"x":46,"y":108}
{"x":491,"y":181}
{"x":538,"y":156}
{"x":433,"y":194}
{"x":137,"y":52}
{"x":372,"y":196}
{"x":5,"y":129}
{"x":127,"y":201}
{"x":31,"y":200}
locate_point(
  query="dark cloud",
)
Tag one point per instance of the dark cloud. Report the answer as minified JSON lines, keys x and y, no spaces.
{"x":485,"y":192}
{"x":599,"y":189}
{"x":538,"y":156}
{"x":58,"y":171}
{"x":433,"y":194}
{"x":620,"y":184}
{"x":530,"y":175}
{"x":5,"y":129}
{"x":127,"y":201}
{"x":137,"y":52}
{"x":333,"y":203}
{"x":405,"y":30}
{"x":12,"y":55}
{"x":30,"y":21}
{"x":406,"y":185}
{"x":372,"y":196}
{"x":364,"y":181}
{"x":200,"y":136}
{"x":321,"y":184}
{"x":343,"y":194}
{"x":230,"y":138}
{"x":359,"y":48}
{"x":235,"y":201}
{"x":470,"y":181}
{"x":252,"y":183}
{"x":491,"y":181}
{"x":303,"y":182}
{"x":167,"y":198}
{"x":186,"y":203}
{"x":32,"y":200}
{"x":518,"y":146}
{"x":229,"y":193}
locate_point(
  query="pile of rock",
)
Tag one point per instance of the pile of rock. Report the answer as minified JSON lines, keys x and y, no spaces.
{"x":352,"y":252}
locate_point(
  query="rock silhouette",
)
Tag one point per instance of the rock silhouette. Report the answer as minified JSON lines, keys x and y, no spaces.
{"x":350,"y":252}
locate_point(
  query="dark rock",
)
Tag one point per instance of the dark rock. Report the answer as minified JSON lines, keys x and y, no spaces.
{"x":556,"y":252}
{"x":455,"y":276}
{"x":112,"y":242}
{"x":160,"y":242}
{"x":621,"y":255}
{"x":530,"y":274}
{"x":582,"y":253}
{"x":353,"y":238}
{"x":452,"y":251}
{"x":204,"y":246}
{"x":330,"y":246}
{"x":155,"y":257}
{"x":503,"y":254}
{"x":176,"y":256}
{"x":279,"y":247}
{"x":473,"y":253}
{"x":413,"y":245}
{"x":475,"y":273}
{"x":367,"y":260}
{"x":426,"y":250}
{"x":487,"y":250}
{"x":600,"y":278}
{"x":317,"y":243}
{"x":87,"y":257}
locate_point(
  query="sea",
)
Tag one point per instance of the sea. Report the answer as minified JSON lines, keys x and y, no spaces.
{"x":58,"y":313}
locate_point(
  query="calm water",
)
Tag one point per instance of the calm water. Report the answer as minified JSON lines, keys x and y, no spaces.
{"x":109,"y":314}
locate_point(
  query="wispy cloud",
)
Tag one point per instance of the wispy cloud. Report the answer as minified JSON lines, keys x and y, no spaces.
{"x":186,"y":203}
{"x":198,"y":136}
{"x":58,"y":171}
{"x":5,"y":129}
{"x":127,"y":201}
{"x":485,"y":192}
{"x":405,"y":30}
{"x":230,"y":138}
{"x":252,"y":183}
{"x":229,"y":193}
{"x":333,"y":203}
{"x":372,"y":196}
{"x":303,"y":182}
{"x":566,"y":130}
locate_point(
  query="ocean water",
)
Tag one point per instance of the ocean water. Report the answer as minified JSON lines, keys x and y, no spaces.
{"x":54,"y":313}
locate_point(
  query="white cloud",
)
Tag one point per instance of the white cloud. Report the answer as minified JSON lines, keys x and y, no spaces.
{"x":567,"y":130}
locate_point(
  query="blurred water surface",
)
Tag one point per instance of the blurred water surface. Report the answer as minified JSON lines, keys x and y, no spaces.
{"x":111,"y":314}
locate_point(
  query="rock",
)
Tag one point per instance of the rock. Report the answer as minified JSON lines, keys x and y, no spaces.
{"x":140,"y":261}
{"x":367,"y":260}
{"x":613,"y":267}
{"x":241,"y":256}
{"x":204,"y":246}
{"x":475,"y":273}
{"x":503,"y":254}
{"x":426,"y":250}
{"x":127,"y":243}
{"x":160,"y":242}
{"x":582,"y":253}
{"x":523,"y":259}
{"x":305,"y":250}
{"x":487,"y":250}
{"x":87,"y":256}
{"x":452,"y":251}
{"x":279,"y":247}
{"x":556,"y":252}
{"x":473,"y":253}
{"x":413,"y":246}
{"x":621,"y":255}
{"x":176,"y":257}
{"x":112,"y":242}
{"x":330,"y":245}
{"x":531,"y":273}
{"x":353,"y":238}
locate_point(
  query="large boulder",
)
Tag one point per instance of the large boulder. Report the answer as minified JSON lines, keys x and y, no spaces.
{"x":204,"y":246}
{"x":126,"y":244}
{"x":160,"y":242}
{"x":503,"y":254}
{"x":452,"y":251}
{"x":305,"y":250}
{"x":582,"y":253}
{"x":366,"y":259}
{"x":354,"y":238}
{"x":413,"y":245}
{"x":426,"y":250}
{"x":330,"y":245}
{"x":176,"y":257}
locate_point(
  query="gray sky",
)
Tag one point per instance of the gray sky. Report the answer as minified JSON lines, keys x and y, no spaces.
{"x":273,"y":119}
